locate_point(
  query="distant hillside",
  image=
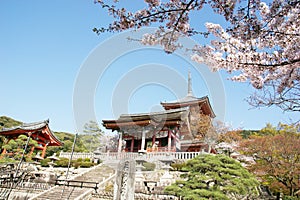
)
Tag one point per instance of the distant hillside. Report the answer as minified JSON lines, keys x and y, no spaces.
{"x":67,"y":139}
{"x":8,"y":122}
{"x":64,"y":136}
{"x":246,"y":133}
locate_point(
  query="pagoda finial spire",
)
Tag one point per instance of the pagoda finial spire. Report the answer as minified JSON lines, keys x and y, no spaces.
{"x":190,"y":91}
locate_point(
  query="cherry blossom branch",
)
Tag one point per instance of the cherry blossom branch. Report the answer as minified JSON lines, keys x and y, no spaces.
{"x":261,"y":42}
{"x":284,"y":63}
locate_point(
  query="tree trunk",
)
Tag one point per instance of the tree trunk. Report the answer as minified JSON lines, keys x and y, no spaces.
{"x":278,"y":196}
{"x":209,"y":148}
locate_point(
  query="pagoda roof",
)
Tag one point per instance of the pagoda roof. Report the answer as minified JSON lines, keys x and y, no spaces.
{"x":191,"y":100}
{"x":186,"y":99}
{"x":38,"y":129}
{"x":166,"y":117}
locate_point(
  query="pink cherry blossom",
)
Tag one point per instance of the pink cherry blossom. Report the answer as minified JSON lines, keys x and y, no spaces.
{"x":260,"y":43}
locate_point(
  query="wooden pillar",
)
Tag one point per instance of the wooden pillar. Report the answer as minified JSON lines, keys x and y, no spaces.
{"x":153,"y":138}
{"x":31,"y":150}
{"x":169,"y":140}
{"x":4,"y":151}
{"x":120,"y":142}
{"x":44,"y":150}
{"x":132,"y":144}
{"x":174,"y":140}
{"x":143,"y":140}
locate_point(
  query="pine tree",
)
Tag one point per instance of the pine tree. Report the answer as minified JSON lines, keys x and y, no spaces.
{"x":214,"y":177}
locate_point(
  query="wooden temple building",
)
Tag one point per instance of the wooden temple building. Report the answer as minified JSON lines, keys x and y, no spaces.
{"x":38,"y":131}
{"x":180,"y":127}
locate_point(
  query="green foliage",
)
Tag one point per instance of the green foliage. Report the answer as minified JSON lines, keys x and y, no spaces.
{"x":62,"y":162}
{"x":290,"y":198}
{"x":91,"y":142}
{"x":67,"y":139}
{"x":277,"y":156}
{"x":28,"y":158}
{"x":7,"y":160}
{"x":268,"y":130}
{"x":148,"y":166}
{"x":8,"y":122}
{"x":76,"y":164}
{"x":179,"y":166}
{"x":271,"y":130}
{"x":86,"y":164}
{"x":17,"y":146}
{"x":64,"y":136}
{"x":92,"y":136}
{"x":83,"y":163}
{"x":247,"y":133}
{"x":45,"y":162}
{"x":92,"y":128}
{"x":214,"y":177}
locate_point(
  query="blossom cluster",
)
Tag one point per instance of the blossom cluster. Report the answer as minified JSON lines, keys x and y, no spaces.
{"x":271,"y":54}
{"x":260,"y":44}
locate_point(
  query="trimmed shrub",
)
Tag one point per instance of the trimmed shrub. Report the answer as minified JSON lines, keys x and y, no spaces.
{"x":63,"y":162}
{"x":7,"y":160}
{"x":76,"y":164}
{"x":148,"y":166}
{"x":86,"y":164}
{"x":45,"y":162}
{"x":178,"y":166}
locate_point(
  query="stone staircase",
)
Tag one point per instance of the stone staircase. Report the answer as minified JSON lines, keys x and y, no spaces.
{"x":99,"y":174}
{"x":112,"y":163}
{"x":62,"y":192}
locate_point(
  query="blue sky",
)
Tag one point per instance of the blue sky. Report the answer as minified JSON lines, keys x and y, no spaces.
{"x":45,"y":46}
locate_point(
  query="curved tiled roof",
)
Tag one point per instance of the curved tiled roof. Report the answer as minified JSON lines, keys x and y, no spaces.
{"x":188,"y":101}
{"x":32,"y":127}
{"x":141,"y":119}
{"x":28,"y":126}
{"x":168,"y":114}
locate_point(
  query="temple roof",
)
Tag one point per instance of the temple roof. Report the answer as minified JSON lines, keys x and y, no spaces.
{"x":191,"y":100}
{"x":167,"y":117}
{"x":27,"y":126}
{"x":157,"y":116}
{"x":187,"y":98}
{"x":40,"y":129}
{"x":187,"y":101}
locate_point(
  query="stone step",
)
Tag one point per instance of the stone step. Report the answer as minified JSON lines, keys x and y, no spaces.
{"x":97,"y":174}
{"x":112,"y":164}
{"x":60,"y":193}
